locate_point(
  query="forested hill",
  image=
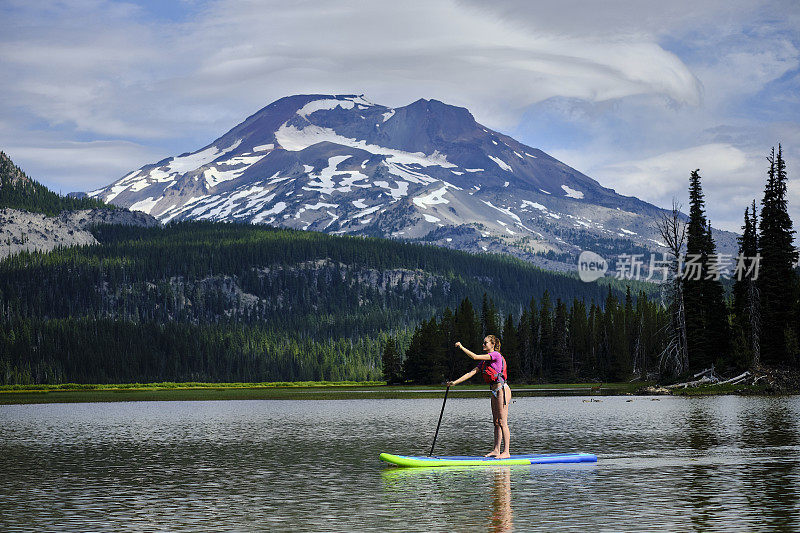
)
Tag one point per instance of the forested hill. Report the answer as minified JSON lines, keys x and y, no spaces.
{"x":18,"y":191}
{"x":200,"y":301}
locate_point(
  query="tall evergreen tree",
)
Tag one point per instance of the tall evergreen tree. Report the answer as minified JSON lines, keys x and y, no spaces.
{"x":696,"y":253}
{"x":468,"y":332}
{"x":718,"y":333}
{"x":590,"y":368}
{"x":618,"y":363}
{"x":489,"y":325}
{"x":520,"y":364}
{"x":706,"y":319}
{"x":546,"y":342}
{"x":746,"y":307}
{"x":562,"y":357}
{"x":511,"y":349}
{"x":579,"y":336}
{"x":777,"y":277}
{"x":391,"y":362}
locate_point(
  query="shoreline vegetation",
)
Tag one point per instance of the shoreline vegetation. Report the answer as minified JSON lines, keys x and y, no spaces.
{"x":306,"y":390}
{"x":327,"y":390}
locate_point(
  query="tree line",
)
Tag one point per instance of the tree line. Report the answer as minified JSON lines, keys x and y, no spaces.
{"x":236,"y":286}
{"x":18,"y":191}
{"x":757,"y":323}
{"x":695,"y":323}
{"x":550,"y":341}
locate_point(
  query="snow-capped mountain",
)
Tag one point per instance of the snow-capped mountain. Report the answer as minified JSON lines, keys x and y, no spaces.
{"x":426,"y":171}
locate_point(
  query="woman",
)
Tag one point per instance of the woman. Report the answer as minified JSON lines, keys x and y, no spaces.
{"x":493,"y":368}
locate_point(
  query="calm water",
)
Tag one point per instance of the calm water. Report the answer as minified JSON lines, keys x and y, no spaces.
{"x":675,"y":464}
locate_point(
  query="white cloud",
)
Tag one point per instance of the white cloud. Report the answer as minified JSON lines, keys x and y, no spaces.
{"x":60,"y":165}
{"x":94,"y":88}
{"x":124,"y":76}
{"x":731,"y":179}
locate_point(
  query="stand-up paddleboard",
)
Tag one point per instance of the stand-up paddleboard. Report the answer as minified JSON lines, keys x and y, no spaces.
{"x":466,"y":460}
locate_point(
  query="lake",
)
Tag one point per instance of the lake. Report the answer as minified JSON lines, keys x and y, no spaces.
{"x":675,"y":464}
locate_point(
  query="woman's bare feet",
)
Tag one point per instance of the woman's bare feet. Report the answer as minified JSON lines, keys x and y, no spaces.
{"x":505,"y":455}
{"x":492,"y":453}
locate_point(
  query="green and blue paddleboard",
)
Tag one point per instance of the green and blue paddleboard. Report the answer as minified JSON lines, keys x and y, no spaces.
{"x":466,"y":460}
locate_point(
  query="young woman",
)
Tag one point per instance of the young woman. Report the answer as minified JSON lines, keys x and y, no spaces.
{"x":493,"y":368}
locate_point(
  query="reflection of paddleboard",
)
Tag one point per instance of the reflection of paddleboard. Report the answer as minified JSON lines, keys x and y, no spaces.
{"x":466,"y":460}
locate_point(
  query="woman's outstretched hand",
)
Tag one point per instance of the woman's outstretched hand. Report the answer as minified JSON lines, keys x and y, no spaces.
{"x":458,"y":345}
{"x":450,"y":383}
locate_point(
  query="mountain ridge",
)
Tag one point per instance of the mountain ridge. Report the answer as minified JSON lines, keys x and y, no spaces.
{"x":342,"y":164}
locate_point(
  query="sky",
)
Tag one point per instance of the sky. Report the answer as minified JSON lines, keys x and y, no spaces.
{"x":634,"y":94}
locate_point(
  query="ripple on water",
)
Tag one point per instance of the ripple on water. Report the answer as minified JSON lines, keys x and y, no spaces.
{"x":723,"y":463}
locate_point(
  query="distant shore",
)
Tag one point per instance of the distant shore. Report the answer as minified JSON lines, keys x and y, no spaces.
{"x":306,"y":390}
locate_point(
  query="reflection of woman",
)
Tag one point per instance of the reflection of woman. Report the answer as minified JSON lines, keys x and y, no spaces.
{"x":501,"y":501}
{"x":493,"y":368}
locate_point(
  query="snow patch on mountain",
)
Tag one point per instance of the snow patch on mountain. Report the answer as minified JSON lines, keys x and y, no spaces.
{"x":500,"y":163}
{"x":572,"y":193}
{"x":295,"y":140}
{"x":320,"y":105}
{"x":534,"y":205}
{"x":146,"y":205}
{"x":502,"y":210}
{"x":436,"y":197}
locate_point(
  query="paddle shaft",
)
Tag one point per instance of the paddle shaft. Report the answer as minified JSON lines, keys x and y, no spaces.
{"x":440,"y":421}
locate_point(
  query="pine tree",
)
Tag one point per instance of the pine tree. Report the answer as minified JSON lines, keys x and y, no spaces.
{"x":718,"y":333}
{"x":467,"y":330}
{"x":417,"y":356}
{"x":489,"y":325}
{"x":707,"y":332}
{"x":531,"y":339}
{"x":391,"y":362}
{"x":590,"y":368}
{"x":746,"y":308}
{"x":579,"y":336}
{"x":776,"y":278}
{"x":693,"y":281}
{"x":562,"y":360}
{"x":511,"y":349}
{"x":619,"y":362}
{"x":546,"y":343}
{"x":522,"y":361}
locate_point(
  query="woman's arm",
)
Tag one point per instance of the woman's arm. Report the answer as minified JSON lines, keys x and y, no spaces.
{"x":463,"y":378}
{"x":484,"y":357}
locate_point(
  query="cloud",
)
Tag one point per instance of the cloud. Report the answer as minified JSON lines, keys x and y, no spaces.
{"x":95,"y":88}
{"x":61,"y":164}
{"x":125,"y":76}
{"x":731,"y":179}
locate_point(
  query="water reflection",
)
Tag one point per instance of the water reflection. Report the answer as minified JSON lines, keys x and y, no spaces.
{"x":502,"y":519}
{"x":770,"y":429}
{"x":457,"y":493}
{"x":675,"y":464}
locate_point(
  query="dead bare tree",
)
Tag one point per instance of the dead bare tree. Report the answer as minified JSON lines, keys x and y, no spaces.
{"x":674,"y":359}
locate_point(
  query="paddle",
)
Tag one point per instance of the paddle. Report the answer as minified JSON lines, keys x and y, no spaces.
{"x":440,"y":420}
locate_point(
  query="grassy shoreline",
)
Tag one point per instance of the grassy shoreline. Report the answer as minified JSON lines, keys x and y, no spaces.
{"x":309,"y":390}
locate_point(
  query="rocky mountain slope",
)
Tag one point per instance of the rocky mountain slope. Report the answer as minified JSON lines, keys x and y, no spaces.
{"x":23,"y":230}
{"x":426,"y":171}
